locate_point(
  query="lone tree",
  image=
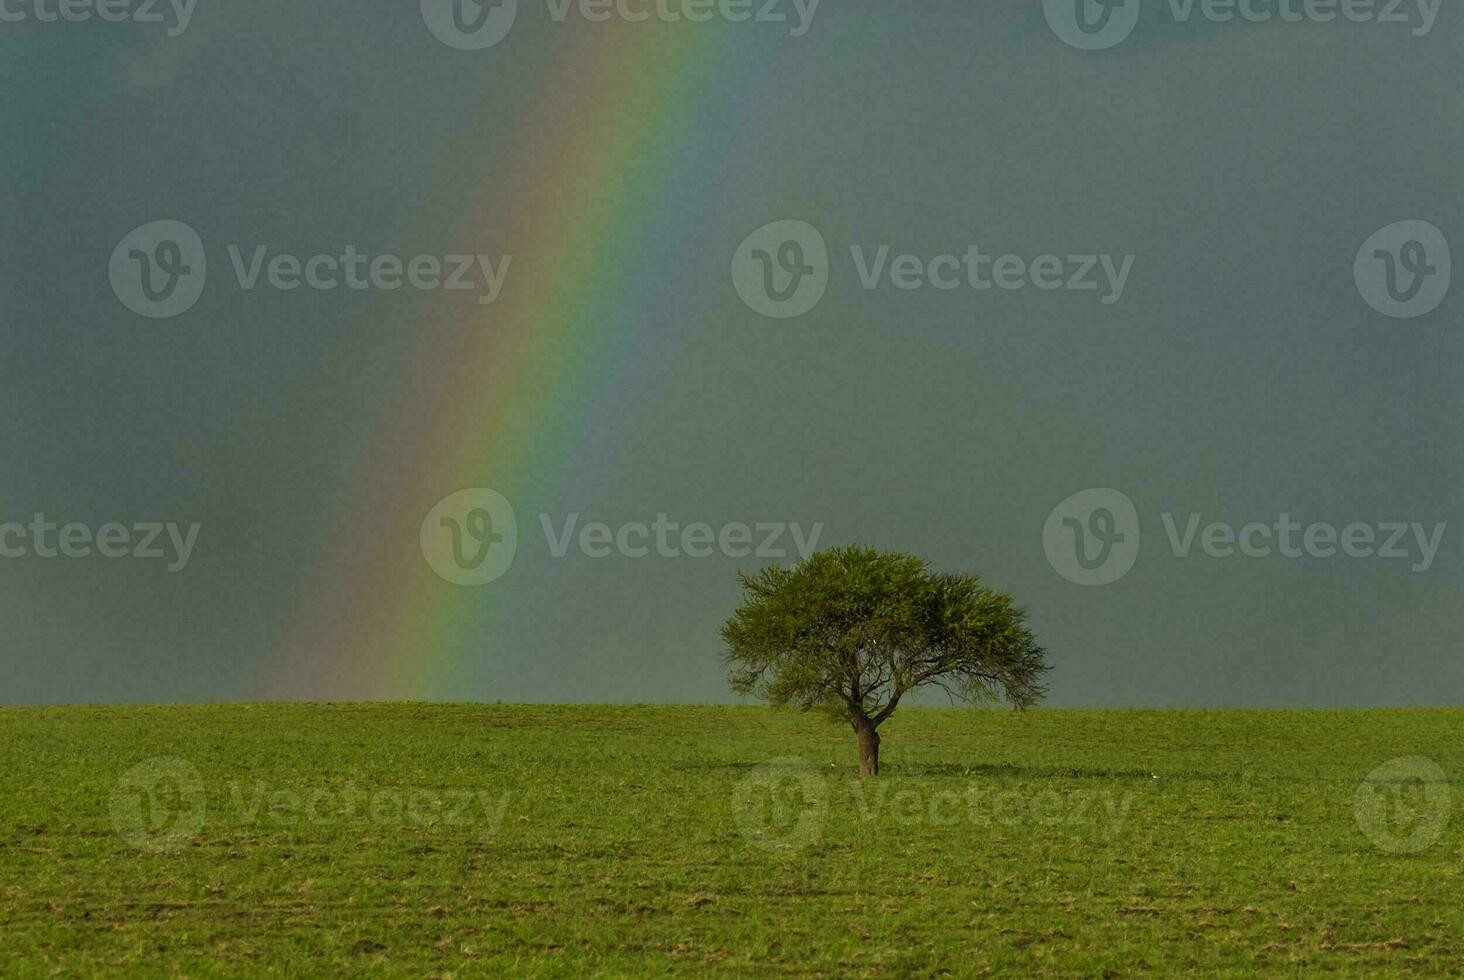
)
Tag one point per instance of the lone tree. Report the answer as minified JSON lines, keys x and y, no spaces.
{"x":852,"y":630}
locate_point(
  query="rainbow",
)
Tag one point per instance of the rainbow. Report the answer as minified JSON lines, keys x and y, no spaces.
{"x":500,"y":395}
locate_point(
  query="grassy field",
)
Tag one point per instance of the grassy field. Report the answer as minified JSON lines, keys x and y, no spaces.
{"x":310,"y":840}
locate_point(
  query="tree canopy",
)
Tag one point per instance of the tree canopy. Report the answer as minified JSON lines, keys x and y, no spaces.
{"x":852,"y":630}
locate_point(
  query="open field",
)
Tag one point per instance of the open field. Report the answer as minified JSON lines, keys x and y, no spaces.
{"x":597,"y":841}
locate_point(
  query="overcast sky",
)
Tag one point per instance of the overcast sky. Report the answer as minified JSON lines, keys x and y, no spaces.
{"x":1237,"y":354}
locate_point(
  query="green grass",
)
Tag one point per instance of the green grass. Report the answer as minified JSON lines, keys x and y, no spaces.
{"x":599,"y":841}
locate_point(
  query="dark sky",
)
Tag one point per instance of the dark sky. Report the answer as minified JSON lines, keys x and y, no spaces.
{"x":1252,"y":370}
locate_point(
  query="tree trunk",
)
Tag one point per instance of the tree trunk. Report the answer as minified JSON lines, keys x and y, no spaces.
{"x":868,"y":748}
